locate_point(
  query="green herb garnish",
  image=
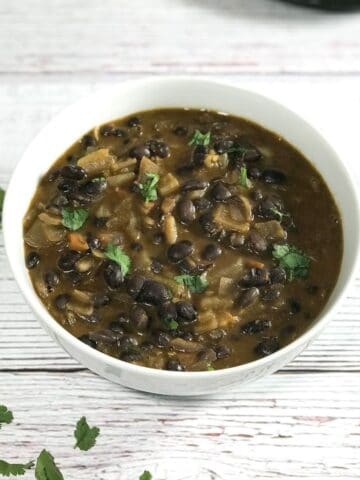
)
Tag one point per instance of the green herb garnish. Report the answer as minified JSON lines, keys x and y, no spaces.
{"x":200,"y":138}
{"x":194,"y":283}
{"x":148,"y":188}
{"x":243,"y":178}
{"x":85,"y":435}
{"x":2,"y":197}
{"x":6,"y":415}
{"x":73,"y":219}
{"x":294,"y":261}
{"x":280,"y":215}
{"x":115,"y":253}
{"x":170,"y":323}
{"x":46,"y":468}
{"x":210,"y":368}
{"x":14,"y":469}
{"x":146,"y":475}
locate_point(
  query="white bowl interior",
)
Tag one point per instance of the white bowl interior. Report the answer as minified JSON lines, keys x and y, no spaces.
{"x":131,"y":97}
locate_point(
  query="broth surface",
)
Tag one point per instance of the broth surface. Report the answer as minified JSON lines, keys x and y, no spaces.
{"x":183,"y":240}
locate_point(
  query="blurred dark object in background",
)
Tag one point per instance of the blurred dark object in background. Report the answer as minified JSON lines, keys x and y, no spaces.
{"x":337,"y":5}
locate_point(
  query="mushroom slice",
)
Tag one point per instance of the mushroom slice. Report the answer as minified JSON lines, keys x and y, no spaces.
{"x":168,"y":184}
{"x":50,"y":219}
{"x":147,"y":166}
{"x":271,"y":230}
{"x":224,"y":220}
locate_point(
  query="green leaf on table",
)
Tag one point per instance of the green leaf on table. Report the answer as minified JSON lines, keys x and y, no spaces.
{"x":74,"y":218}
{"x":14,"y":469}
{"x":6,"y":415}
{"x":117,"y":255}
{"x":146,"y":475}
{"x":85,"y":435}
{"x":200,"y":138}
{"x":46,"y":468}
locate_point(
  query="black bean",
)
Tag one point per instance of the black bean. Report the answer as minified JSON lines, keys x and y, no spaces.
{"x":134,"y":284}
{"x":32,"y":260}
{"x":220,"y":193}
{"x":139,"y":151}
{"x":186,"y":211}
{"x":248,"y":297}
{"x":186,"y":311}
{"x":273,"y":176}
{"x":255,"y":277}
{"x":209,"y":226}
{"x":101,"y":300}
{"x":277,"y":275}
{"x":194,"y":184}
{"x":222,"y":351}
{"x":105,"y":336}
{"x":211,"y":252}
{"x":185,"y":335}
{"x":67,"y":261}
{"x":162,"y":339}
{"x":130,"y":356}
{"x":267,"y":346}
{"x":256,"y":194}
{"x":256,"y":326}
{"x":110,"y":131}
{"x":93,"y":242}
{"x":180,"y":131}
{"x":116,"y":327}
{"x":75,"y":277}
{"x":88,"y":141}
{"x":94,"y":188}
{"x":121,"y":321}
{"x":113,"y":275}
{"x":255,"y":242}
{"x":189,"y":266}
{"x":179,"y":250}
{"x":61,"y":301}
{"x":237,"y":240}
{"x":174,"y":365}
{"x":199,"y":154}
{"x":223,"y":146}
{"x":158,"y":148}
{"x":128,"y":341}
{"x":51,"y":279}
{"x":253,"y":172}
{"x":139,"y":318}
{"x":67,"y":186}
{"x":156,"y":266}
{"x":271,"y":293}
{"x":153,"y":293}
{"x":269,"y":207}
{"x":74,"y":172}
{"x":295,"y":306}
{"x":202,"y":204}
{"x":251,"y":155}
{"x":133,"y":121}
{"x":85,"y":339}
{"x":167,"y":311}
{"x":158,"y":238}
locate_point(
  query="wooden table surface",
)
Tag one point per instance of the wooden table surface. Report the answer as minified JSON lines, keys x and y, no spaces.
{"x":302,"y":422}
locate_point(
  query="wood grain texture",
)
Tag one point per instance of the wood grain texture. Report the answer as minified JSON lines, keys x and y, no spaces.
{"x":197,"y":36}
{"x":283,"y":429}
{"x":302,"y":423}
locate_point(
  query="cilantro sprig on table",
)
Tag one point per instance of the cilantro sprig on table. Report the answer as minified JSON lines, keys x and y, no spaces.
{"x":6,"y":415}
{"x":85,"y":435}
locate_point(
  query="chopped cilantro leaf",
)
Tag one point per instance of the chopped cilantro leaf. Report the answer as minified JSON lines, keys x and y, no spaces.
{"x":85,"y":435}
{"x":200,"y":138}
{"x":194,"y":283}
{"x":294,"y":261}
{"x":243,"y":178}
{"x":115,"y":253}
{"x":73,"y":219}
{"x":148,"y":188}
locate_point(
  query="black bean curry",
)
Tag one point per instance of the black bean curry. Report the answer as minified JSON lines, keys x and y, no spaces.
{"x":183,"y":240}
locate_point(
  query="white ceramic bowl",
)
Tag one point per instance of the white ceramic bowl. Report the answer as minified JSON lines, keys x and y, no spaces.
{"x":133,"y":96}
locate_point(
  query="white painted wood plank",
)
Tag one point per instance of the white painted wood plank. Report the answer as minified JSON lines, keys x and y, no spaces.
{"x":306,"y":427}
{"x":208,"y":36}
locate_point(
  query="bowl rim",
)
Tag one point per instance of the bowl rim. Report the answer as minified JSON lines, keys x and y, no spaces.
{"x":49,"y":322}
